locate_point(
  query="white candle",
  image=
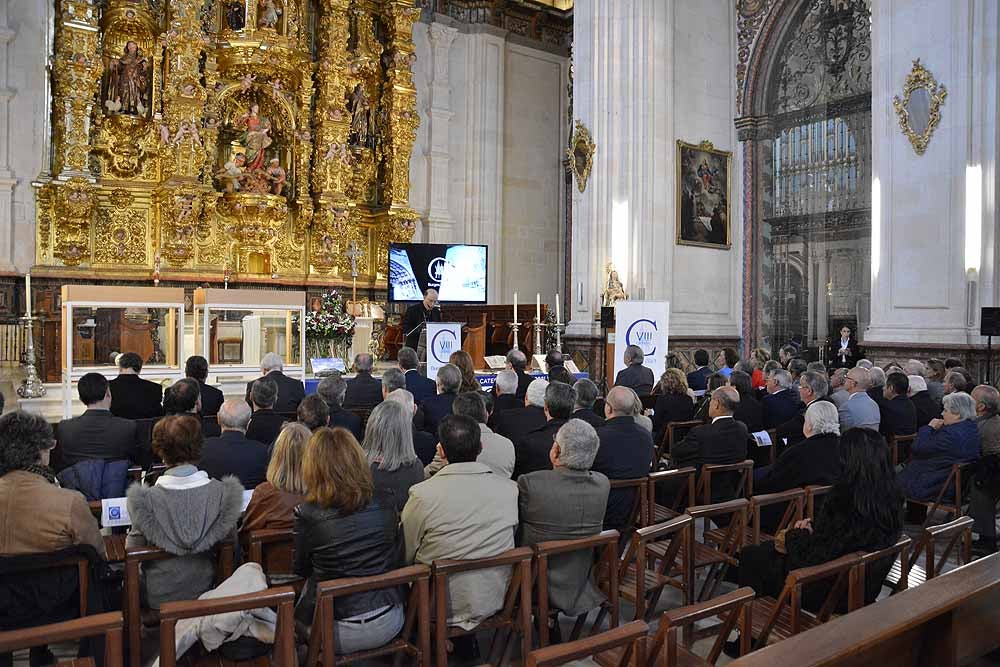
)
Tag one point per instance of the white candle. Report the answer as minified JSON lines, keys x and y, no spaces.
{"x":515,"y":308}
{"x":27,"y":294}
{"x":557,"y":308}
{"x":538,"y":307}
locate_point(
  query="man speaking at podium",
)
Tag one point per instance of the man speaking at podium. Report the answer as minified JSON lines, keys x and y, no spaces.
{"x":414,"y":322}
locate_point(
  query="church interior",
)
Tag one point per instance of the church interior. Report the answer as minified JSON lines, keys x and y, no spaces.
{"x":662,"y":242}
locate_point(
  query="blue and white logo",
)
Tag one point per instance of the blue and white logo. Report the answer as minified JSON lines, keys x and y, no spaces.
{"x":114,"y":512}
{"x":443,"y":344}
{"x":435,"y":270}
{"x":642,"y":333}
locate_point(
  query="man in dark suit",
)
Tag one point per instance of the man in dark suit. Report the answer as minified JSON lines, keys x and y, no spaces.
{"x":516,"y":423}
{"x":184,"y":398}
{"x":781,"y":403}
{"x":97,"y":434}
{"x":518,"y":362}
{"x":232,"y":452}
{"x":131,"y":396}
{"x":720,"y":442}
{"x":437,"y":407}
{"x":290,"y":391}
{"x":313,"y":413}
{"x":898,"y":414}
{"x":567,"y":502}
{"x":416,"y":384}
{"x":196,"y":368}
{"x":626,"y":452}
{"x":505,"y":392}
{"x":586,"y":396}
{"x":332,"y":389}
{"x":531,"y":452}
{"x":363,"y":391}
{"x":265,"y":424}
{"x":813,"y":386}
{"x":925,"y":406}
{"x":418,"y":315}
{"x":698,"y":378}
{"x":635,"y":376}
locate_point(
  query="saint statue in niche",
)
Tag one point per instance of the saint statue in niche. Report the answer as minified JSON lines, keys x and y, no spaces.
{"x":360,"y":116}
{"x":236,"y":16}
{"x":128,"y":82}
{"x":268,"y":13}
{"x":231,"y":174}
{"x":255,"y":137}
{"x":615,"y":291}
{"x":276,"y":175}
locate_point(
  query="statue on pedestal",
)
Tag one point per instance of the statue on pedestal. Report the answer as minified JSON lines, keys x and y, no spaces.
{"x":615,"y":291}
{"x":128,"y":80}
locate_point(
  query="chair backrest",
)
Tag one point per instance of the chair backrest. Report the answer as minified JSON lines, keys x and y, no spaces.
{"x":26,"y":568}
{"x":733,"y":608}
{"x":109,"y":625}
{"x":676,"y":534}
{"x":814,"y":492}
{"x":878,"y":564}
{"x":627,"y":638}
{"x":899,"y":447}
{"x":284,"y":636}
{"x":742,"y":472}
{"x":322,"y":645}
{"x":732,"y":517}
{"x":954,"y":534}
{"x":603,"y":548}
{"x":794,"y":500}
{"x":682,"y":480}
{"x":637,"y":513}
{"x":271,"y":548}
{"x":674,"y":433}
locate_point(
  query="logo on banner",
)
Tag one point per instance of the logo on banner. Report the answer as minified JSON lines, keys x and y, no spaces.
{"x":435,"y":270}
{"x":443,"y":344}
{"x":642,"y":333}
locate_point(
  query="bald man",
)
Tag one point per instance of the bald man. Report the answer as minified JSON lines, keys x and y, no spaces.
{"x":721,"y":441}
{"x":418,"y":315}
{"x":626,"y":452}
{"x":232,"y":453}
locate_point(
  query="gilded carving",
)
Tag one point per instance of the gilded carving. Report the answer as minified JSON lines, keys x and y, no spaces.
{"x":75,"y":202}
{"x":919,"y":109}
{"x":581,"y":155}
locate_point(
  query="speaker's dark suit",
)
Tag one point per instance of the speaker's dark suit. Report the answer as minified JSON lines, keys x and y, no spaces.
{"x":290,"y":392}
{"x":232,"y":453}
{"x":720,"y":442}
{"x":422,"y":388}
{"x":637,"y":377}
{"x":135,"y":398}
{"x":97,"y":434}
{"x":625,"y":452}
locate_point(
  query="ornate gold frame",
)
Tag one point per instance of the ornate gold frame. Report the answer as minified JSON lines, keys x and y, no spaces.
{"x":581,"y":148}
{"x":920,"y":77}
{"x":707,"y":147}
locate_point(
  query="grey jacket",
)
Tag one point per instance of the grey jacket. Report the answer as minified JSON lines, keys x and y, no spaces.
{"x":565,"y":504}
{"x":859,"y":411}
{"x":989,"y":434}
{"x":187,"y":523}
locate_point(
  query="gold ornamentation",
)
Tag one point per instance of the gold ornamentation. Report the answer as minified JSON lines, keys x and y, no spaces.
{"x":919,"y":110}
{"x":121,"y":235}
{"x":75,"y":204}
{"x":581,"y":155}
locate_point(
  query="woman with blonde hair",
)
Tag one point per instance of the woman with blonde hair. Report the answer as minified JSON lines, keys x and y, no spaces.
{"x":274,"y":500}
{"x":344,"y":530}
{"x":673,"y":404}
{"x":463,"y":361}
{"x":389,"y":447}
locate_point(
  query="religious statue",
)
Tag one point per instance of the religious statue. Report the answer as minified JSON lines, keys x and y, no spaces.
{"x":231,"y":174}
{"x":360,"y":116}
{"x":276,"y":175}
{"x":267,"y":16}
{"x":236,"y":16}
{"x":337,"y":152}
{"x":128,"y":80}
{"x":615,"y":291}
{"x":255,"y":137}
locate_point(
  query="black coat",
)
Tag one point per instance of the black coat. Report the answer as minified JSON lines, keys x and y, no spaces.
{"x":424,"y":445}
{"x":815,"y":460}
{"x":780,"y":407}
{"x":721,"y":442}
{"x":346,"y":419}
{"x":670,"y":408}
{"x":698,"y":379}
{"x":625,"y":452}
{"x":898,"y":417}
{"x":211,"y":399}
{"x":531,"y":452}
{"x":926,"y":408}
{"x":523,"y":380}
{"x":791,"y":430}
{"x":416,"y":315}
{"x":751,"y":413}
{"x":833,"y":354}
{"x":436,"y":408}
{"x":637,"y":377}
{"x":135,"y":398}
{"x":422,"y":388}
{"x":507,"y":402}
{"x":232,"y":453}
{"x":363,"y":391}
{"x":264,"y":426}
{"x":589,"y":416}
{"x":290,"y":392}
{"x":97,"y":434}
{"x":515,"y":424}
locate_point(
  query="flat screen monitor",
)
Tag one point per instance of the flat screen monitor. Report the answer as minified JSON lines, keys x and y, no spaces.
{"x":457,"y":272}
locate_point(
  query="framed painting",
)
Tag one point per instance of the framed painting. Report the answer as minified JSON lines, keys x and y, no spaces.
{"x":703,"y":195}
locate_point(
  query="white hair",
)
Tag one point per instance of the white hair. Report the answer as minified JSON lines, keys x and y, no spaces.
{"x":578,"y":443}
{"x":234,"y":414}
{"x":401,"y":396}
{"x":878,"y":376}
{"x":536,"y":393}
{"x":271,"y":362}
{"x":823,"y":418}
{"x":506,"y":382}
{"x":865,"y":364}
{"x":961,"y":404}
{"x":917,"y":383}
{"x":915,"y":367}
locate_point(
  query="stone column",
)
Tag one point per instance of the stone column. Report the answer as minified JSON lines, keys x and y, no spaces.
{"x":441,"y":35}
{"x":7,"y":180}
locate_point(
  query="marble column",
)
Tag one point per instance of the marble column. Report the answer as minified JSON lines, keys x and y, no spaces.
{"x":441,"y":34}
{"x":7,"y":179}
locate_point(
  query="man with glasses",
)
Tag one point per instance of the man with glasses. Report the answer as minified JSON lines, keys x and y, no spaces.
{"x":813,"y":386}
{"x":859,"y":411}
{"x":781,"y":402}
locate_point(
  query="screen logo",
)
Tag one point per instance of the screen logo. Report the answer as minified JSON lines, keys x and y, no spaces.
{"x":435,"y":270}
{"x":642,"y":333}
{"x":443,"y":344}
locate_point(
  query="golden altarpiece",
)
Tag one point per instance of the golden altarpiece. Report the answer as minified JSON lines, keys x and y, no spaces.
{"x":203,"y":138}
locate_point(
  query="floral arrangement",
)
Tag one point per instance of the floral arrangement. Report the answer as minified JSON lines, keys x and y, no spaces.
{"x":330,"y":321}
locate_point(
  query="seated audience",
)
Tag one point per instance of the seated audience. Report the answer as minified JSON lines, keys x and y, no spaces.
{"x":465,"y":511}
{"x":185,"y":513}
{"x":987,"y":400}
{"x":424,"y":443}
{"x":416,"y":383}
{"x":781,"y":402}
{"x":859,"y":410}
{"x":183,"y":398}
{"x":505,"y":389}
{"x":290,"y":391}
{"x":985,"y":491}
{"x":392,"y":379}
{"x":232,"y":452}
{"x":131,"y":396}
{"x":389,"y":447}
{"x":518,"y":362}
{"x":698,"y":378}
{"x":313,"y":412}
{"x":626,"y":452}
{"x":363,"y":390}
{"x":935,"y":379}
{"x":865,"y":364}
{"x":345,"y":529}
{"x":954,"y":382}
{"x":920,"y":396}
{"x":796,"y":367}
{"x":786,"y":354}
{"x":531,"y":452}
{"x":565,"y":503}
{"x":875,"y":391}
{"x":915,"y":367}
{"x":462,"y":360}
{"x":265,"y":422}
{"x":817,"y":366}
{"x":966,"y":375}
{"x":97,"y":434}
{"x":560,"y":374}
{"x":497,"y":451}
{"x":635,"y":376}
{"x":815,"y":460}
{"x":196,"y":368}
{"x":275,"y":499}
{"x":758,"y":357}
{"x":586,"y":396}
{"x":838,"y":392}
{"x":554,"y":359}
{"x":673,"y":403}
{"x":715,"y":380}
{"x":514,"y":424}
{"x":952,"y":439}
{"x":749,"y":411}
{"x":897,"y":414}
{"x":813,"y":386}
{"x":437,"y":407}
{"x":332,"y":390}
{"x":727,"y":360}
{"x":720,"y":442}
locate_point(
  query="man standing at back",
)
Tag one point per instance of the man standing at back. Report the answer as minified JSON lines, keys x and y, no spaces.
{"x":421,"y":387}
{"x":97,"y":434}
{"x":290,"y":391}
{"x":131,"y":396}
{"x":626,"y":452}
{"x":859,"y":410}
{"x":635,"y":376}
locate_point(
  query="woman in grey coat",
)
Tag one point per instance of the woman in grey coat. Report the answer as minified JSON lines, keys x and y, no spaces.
{"x":185,"y":513}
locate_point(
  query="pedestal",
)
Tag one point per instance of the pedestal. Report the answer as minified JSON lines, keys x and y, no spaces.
{"x":251,"y":340}
{"x":363,"y":327}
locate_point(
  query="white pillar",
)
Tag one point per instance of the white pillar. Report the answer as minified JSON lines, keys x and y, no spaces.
{"x":439,"y":220}
{"x":7,"y":180}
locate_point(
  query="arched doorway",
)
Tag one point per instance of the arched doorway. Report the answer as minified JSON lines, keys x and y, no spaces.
{"x":806,"y":133}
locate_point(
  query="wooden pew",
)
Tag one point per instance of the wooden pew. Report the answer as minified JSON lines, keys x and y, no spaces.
{"x":949,"y":620}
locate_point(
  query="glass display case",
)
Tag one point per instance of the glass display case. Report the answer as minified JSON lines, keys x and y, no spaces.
{"x":99,"y":322}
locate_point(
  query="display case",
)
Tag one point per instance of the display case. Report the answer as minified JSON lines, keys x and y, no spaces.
{"x":99,"y":322}
{"x":234,"y":329}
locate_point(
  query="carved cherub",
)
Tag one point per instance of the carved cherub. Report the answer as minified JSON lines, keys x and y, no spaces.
{"x":247,"y":81}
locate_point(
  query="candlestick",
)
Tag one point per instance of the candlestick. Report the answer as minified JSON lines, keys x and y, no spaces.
{"x":515,"y":309}
{"x":557,"y":308}
{"x":538,"y":307}
{"x":27,"y":294}
{"x":31,"y":386}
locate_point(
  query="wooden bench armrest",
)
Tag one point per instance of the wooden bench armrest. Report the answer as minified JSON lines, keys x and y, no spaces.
{"x":195,"y":608}
{"x":553,"y":547}
{"x":339,"y":587}
{"x":582,"y":648}
{"x":664,"y":475}
{"x":454,"y":566}
{"x":765,"y":499}
{"x":727,"y":467}
{"x":709,"y":608}
{"x":805,"y":575}
{"x":86,"y":626}
{"x":718,"y":509}
{"x":950,"y":528}
{"x":904,"y":543}
{"x":653,"y":532}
